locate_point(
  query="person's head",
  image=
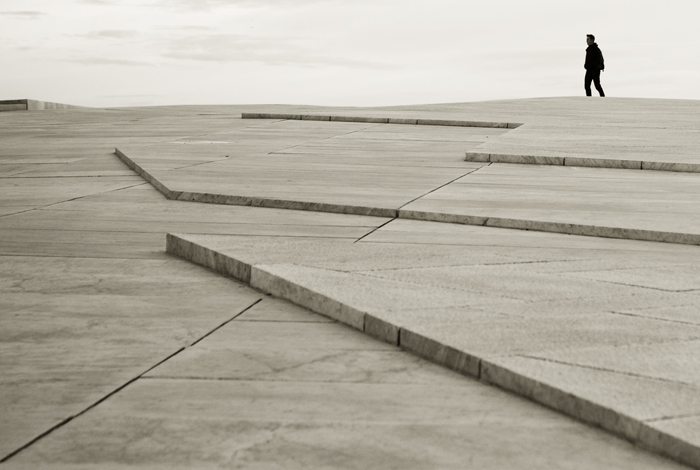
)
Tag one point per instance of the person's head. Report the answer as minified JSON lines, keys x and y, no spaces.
{"x":590,"y":39}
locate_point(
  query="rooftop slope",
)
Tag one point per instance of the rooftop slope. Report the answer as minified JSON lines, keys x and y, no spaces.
{"x":603,"y":329}
{"x":400,"y":163}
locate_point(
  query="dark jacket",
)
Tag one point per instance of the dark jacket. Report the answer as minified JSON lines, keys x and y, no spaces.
{"x":594,"y":58}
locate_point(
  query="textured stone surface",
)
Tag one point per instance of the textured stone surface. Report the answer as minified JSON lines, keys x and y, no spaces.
{"x":673,"y":361}
{"x":679,"y":437}
{"x":538,"y":324}
{"x":291,"y":173}
{"x":598,"y":131}
{"x":90,"y":302}
{"x":89,"y":299}
{"x":303,"y":394}
{"x":585,"y":201}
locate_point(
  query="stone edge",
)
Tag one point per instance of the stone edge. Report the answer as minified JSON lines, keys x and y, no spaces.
{"x":598,"y":231}
{"x":210,"y":198}
{"x":382,"y":120}
{"x":464,"y":219}
{"x":636,"y":431}
{"x":33,"y":105}
{"x":591,"y":162}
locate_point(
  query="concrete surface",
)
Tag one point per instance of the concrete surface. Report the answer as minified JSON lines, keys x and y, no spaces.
{"x":118,"y":355}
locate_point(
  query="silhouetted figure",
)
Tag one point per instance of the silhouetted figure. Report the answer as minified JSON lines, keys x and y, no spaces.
{"x":594,"y":65}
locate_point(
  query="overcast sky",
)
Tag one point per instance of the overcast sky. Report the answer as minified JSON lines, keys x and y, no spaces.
{"x":341,"y":52}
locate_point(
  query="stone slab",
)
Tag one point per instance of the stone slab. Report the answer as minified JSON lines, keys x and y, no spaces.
{"x":374,"y":134}
{"x":68,"y":221}
{"x":57,"y":314}
{"x":272,"y":312}
{"x":677,"y":437}
{"x":84,"y":135}
{"x":233,"y":388}
{"x":496,"y":330}
{"x":676,"y":361}
{"x":329,"y":423}
{"x":679,"y":230}
{"x":620,"y":403}
{"x":681,"y":313}
{"x":592,"y":202}
{"x":476,"y":330}
{"x":260,"y":176}
{"x":609,"y":137}
{"x":54,"y":318}
{"x":677,"y":278}
{"x":409,"y":231}
{"x":108,"y":251}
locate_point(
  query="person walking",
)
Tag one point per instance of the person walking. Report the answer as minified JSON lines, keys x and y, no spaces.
{"x":594,"y":65}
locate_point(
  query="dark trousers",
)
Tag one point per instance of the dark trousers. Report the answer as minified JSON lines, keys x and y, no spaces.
{"x":593,"y":76}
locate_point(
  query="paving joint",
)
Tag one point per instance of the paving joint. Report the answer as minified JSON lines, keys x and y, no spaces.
{"x":654,"y":318}
{"x":123,"y":386}
{"x":605,"y":369}
{"x":669,"y":418}
{"x":68,"y":200}
{"x":437,"y":188}
{"x":417,"y":283}
{"x":375,"y":229}
{"x":649,"y":287}
{"x":282,"y":151}
{"x":224,"y":323}
{"x":93,"y":405}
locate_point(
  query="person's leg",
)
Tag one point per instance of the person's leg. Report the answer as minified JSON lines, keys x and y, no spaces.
{"x":587,"y":82}
{"x":596,"y":82}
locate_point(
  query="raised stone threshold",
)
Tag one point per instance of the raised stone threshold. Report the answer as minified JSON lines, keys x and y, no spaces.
{"x":499,"y":222}
{"x":582,"y":161}
{"x":646,"y":433}
{"x":32,"y":105}
{"x":382,"y":120}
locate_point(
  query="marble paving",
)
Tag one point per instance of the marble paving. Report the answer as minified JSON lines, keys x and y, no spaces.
{"x":367,"y":165}
{"x":116,"y":354}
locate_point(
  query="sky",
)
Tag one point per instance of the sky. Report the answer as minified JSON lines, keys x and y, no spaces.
{"x":106,"y":53}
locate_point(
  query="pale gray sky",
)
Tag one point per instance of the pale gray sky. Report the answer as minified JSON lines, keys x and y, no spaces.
{"x":341,"y":52}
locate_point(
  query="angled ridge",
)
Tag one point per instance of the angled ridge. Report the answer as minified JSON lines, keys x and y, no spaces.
{"x":635,"y":430}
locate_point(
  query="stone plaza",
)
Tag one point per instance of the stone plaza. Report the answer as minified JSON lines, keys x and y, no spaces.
{"x":487,"y":285}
